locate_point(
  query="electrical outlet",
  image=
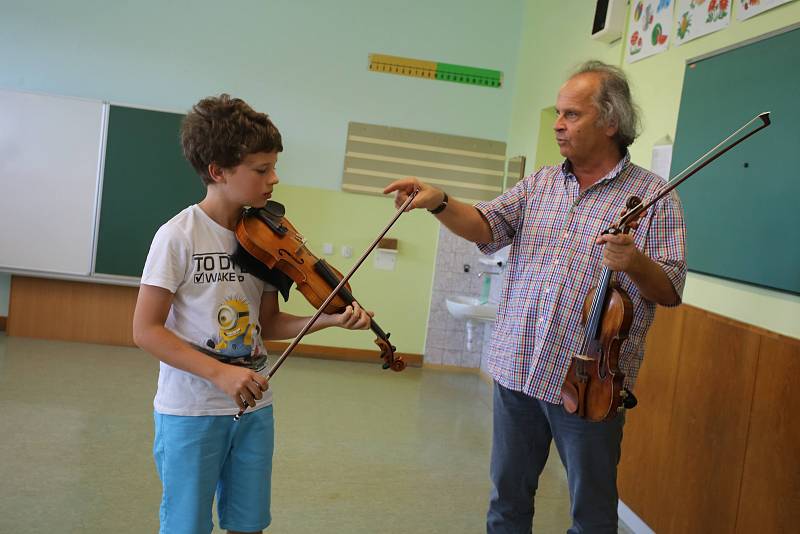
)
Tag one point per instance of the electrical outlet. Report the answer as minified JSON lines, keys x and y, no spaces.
{"x":347,"y":251}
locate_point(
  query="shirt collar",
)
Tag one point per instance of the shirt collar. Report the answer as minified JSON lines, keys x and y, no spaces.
{"x":566,"y":169}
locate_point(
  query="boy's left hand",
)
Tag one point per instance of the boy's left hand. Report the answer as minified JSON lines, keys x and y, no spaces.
{"x":353,"y":318}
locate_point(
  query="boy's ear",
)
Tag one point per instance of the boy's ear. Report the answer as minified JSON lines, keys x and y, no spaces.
{"x":215,"y":172}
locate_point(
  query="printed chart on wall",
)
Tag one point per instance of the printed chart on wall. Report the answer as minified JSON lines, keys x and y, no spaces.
{"x":433,"y":70}
{"x":649,"y":28}
{"x":750,"y":8}
{"x":695,"y":18}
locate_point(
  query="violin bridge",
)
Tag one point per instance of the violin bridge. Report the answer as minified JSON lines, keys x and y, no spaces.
{"x":583,"y":357}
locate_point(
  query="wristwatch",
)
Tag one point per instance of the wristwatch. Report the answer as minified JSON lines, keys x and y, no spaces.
{"x":440,"y":208}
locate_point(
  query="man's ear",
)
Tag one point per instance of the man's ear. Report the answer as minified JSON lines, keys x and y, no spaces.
{"x":216,"y":173}
{"x":612,"y":128}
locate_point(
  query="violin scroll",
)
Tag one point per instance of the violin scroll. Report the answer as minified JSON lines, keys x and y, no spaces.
{"x":634,"y":211}
{"x":390,"y":361}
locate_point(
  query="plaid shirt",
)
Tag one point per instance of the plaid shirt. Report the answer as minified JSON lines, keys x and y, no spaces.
{"x":554,"y":262}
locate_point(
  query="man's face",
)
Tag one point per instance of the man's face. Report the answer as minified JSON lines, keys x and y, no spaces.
{"x":578,"y":132}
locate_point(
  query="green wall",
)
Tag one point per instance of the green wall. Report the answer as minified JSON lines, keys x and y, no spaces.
{"x":5,"y":280}
{"x":561,"y":27}
{"x":547,"y":150}
{"x":399,"y":298}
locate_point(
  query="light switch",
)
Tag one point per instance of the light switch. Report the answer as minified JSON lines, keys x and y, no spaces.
{"x":327,"y":248}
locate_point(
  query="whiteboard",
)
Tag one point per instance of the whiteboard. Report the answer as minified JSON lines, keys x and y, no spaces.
{"x":50,"y":156}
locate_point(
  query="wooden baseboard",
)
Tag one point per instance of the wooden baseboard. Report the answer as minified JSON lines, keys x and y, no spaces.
{"x":341,"y":353}
{"x":99,"y":313}
{"x":3,"y":321}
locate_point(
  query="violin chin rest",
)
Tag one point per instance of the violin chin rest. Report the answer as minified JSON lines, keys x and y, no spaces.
{"x":249,"y":263}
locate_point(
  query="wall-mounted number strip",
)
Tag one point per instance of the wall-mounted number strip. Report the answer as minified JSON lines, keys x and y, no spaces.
{"x":436,"y":71}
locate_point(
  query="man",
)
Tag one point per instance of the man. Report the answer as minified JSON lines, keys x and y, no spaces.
{"x":553,"y":220}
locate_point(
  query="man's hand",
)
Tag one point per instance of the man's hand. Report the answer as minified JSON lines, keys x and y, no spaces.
{"x":461,"y":218}
{"x":243,"y":385}
{"x":353,"y":318}
{"x":428,"y":197}
{"x":619,"y":252}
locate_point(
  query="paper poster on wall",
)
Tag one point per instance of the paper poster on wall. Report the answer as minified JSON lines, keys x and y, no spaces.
{"x":750,"y":8}
{"x":695,"y":18}
{"x":662,"y":159}
{"x":649,"y":28}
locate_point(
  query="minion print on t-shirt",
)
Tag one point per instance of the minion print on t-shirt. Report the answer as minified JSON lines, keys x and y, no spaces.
{"x":236,"y":340}
{"x":237,"y":336}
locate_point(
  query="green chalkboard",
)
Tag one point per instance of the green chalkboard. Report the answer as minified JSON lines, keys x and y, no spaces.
{"x":146,"y":181}
{"x":742,"y":214}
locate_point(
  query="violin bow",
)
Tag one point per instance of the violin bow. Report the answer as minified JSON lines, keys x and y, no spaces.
{"x":725,"y":145}
{"x":333,"y":294}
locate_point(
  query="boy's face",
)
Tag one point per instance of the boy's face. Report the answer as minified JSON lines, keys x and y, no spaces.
{"x":250,"y":183}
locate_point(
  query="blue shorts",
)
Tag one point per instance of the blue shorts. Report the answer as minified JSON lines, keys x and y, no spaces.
{"x":197,"y":457}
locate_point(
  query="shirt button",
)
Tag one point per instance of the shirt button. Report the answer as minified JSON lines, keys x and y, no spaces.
{"x":546,"y":290}
{"x":566,"y":235}
{"x":555,"y":262}
{"x":541,"y":320}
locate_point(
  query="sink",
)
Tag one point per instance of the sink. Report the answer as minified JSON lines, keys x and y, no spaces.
{"x":470,"y":308}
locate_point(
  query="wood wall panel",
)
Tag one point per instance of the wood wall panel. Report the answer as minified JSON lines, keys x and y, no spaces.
{"x":102,"y":313}
{"x":71,"y":311}
{"x":708,"y":428}
{"x":770,"y":496}
{"x":646,"y":443}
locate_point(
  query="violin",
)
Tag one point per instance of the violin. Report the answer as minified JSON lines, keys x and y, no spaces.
{"x":593,"y":388}
{"x":266,"y":235}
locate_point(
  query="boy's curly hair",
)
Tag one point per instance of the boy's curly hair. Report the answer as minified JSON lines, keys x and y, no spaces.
{"x":224,"y":130}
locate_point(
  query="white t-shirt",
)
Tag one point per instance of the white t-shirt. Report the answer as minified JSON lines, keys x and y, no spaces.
{"x":215,"y":308}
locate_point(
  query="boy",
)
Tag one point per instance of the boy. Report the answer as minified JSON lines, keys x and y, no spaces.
{"x":204,"y":319}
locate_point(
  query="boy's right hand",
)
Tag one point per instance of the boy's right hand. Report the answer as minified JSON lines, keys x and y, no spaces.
{"x":243,"y":385}
{"x":428,"y":197}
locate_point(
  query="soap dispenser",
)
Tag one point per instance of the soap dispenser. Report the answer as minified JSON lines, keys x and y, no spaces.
{"x":486,"y":288}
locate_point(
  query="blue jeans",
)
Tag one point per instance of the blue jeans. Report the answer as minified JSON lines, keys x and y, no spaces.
{"x":523,"y":429}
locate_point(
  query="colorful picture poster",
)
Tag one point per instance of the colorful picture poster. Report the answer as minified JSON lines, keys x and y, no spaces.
{"x":649,"y":28}
{"x":695,"y":18}
{"x":750,"y":8}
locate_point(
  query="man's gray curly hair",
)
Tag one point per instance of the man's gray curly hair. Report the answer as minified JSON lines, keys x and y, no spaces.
{"x":614,"y":101}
